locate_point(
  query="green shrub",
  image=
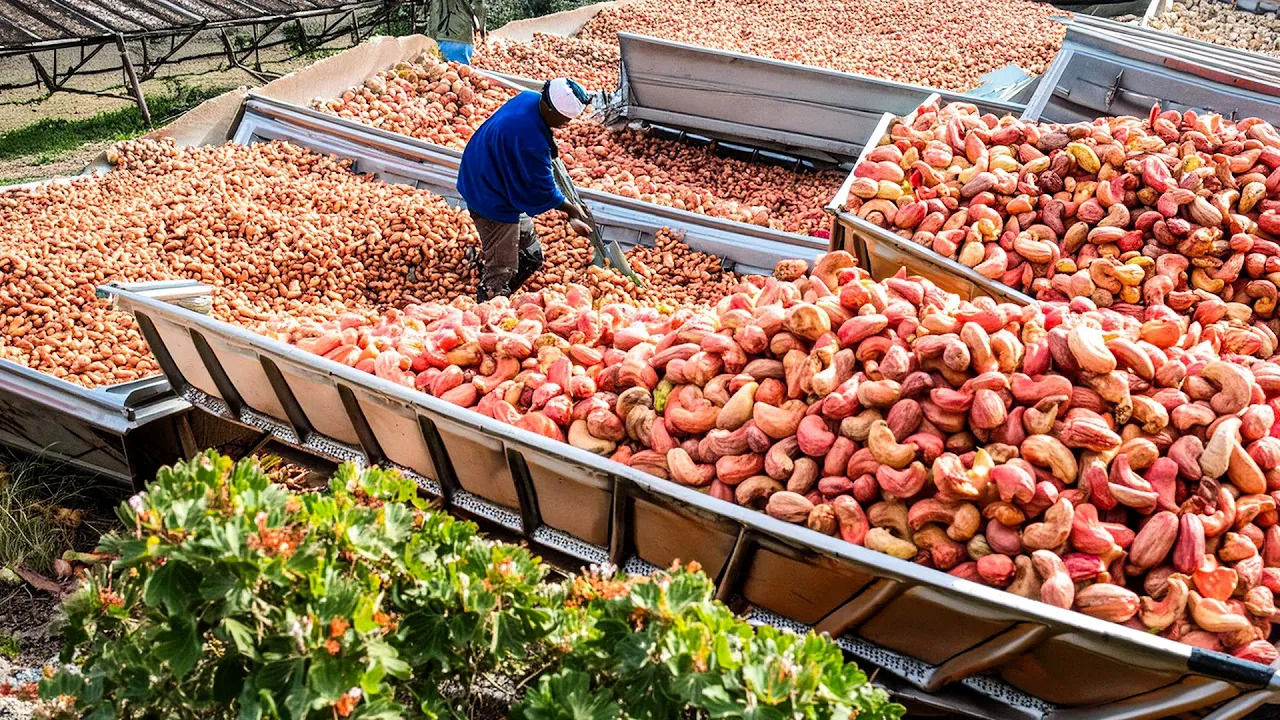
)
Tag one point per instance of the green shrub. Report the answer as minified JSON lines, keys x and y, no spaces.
{"x":233,"y":597}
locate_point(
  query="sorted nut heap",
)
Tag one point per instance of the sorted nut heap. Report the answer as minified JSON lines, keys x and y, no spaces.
{"x":945,"y":45}
{"x":675,"y":276}
{"x":635,"y":164}
{"x":1221,"y":23}
{"x":1174,"y":209}
{"x":444,"y":104}
{"x":594,"y":64}
{"x":1127,"y":469}
{"x":272,"y":227}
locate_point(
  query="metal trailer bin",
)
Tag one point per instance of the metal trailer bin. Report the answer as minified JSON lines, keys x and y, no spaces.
{"x":126,"y":431}
{"x":941,"y":637}
{"x":280,"y":110}
{"x":1108,"y":68}
{"x":401,"y":159}
{"x":797,"y":109}
{"x":123,"y":432}
{"x":1258,"y":61}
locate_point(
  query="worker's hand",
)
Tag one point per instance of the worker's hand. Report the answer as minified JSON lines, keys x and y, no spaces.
{"x":580,"y":227}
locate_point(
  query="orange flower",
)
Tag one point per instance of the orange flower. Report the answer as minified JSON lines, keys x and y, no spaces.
{"x":385,"y":621}
{"x":110,"y":598}
{"x":346,"y":704}
{"x":333,"y":646}
{"x":338,"y":626}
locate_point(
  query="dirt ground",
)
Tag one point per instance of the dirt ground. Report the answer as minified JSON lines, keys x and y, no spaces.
{"x":29,"y":616}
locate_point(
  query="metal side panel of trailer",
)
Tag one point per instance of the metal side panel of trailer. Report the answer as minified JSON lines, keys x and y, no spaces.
{"x":399,"y":158}
{"x":1098,"y":72}
{"x":1204,"y":57}
{"x":941,"y":636}
{"x":122,"y":432}
{"x":798,"y":108}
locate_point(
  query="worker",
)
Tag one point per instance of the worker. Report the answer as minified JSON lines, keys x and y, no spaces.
{"x":454,"y":24}
{"x":505,"y":177}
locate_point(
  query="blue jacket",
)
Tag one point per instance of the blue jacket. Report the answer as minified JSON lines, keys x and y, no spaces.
{"x":506,"y":166}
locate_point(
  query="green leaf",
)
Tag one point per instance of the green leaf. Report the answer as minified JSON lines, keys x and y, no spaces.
{"x":244,"y":638}
{"x":332,"y":676}
{"x":250,"y":707}
{"x":763,"y":712}
{"x":298,"y":700}
{"x":383,"y":655}
{"x":362,"y":620}
{"x":276,"y":675}
{"x":567,"y":695}
{"x":218,"y":586}
{"x":171,"y":586}
{"x":179,"y":646}
{"x":399,"y":523}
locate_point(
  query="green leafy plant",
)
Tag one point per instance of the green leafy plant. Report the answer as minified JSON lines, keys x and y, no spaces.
{"x":232,"y":596}
{"x":10,"y":648}
{"x":657,"y":647}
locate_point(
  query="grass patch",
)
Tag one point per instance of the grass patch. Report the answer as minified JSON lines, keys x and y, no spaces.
{"x":49,"y":139}
{"x":47,"y":509}
{"x":9,"y":647}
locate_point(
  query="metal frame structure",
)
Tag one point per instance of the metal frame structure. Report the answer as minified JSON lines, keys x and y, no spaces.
{"x":47,"y":31}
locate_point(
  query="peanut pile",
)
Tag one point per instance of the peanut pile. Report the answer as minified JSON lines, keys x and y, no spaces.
{"x":444,"y":104}
{"x":594,"y":64}
{"x":1175,"y":209}
{"x":1127,"y":469}
{"x":1221,"y":23}
{"x":674,"y":274}
{"x":635,"y":164}
{"x":944,"y":45}
{"x":273,"y":228}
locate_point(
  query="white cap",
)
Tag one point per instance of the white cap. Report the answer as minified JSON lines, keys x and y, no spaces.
{"x":565,"y":98}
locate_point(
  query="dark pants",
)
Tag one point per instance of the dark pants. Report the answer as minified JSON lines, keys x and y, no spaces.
{"x":511,"y":253}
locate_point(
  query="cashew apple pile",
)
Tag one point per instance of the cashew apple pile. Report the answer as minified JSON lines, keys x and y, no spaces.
{"x":943,"y":45}
{"x":1177,"y":208}
{"x":1126,"y":467}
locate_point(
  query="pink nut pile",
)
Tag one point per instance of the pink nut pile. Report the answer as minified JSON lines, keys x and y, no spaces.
{"x":1175,"y":209}
{"x":1072,"y":454}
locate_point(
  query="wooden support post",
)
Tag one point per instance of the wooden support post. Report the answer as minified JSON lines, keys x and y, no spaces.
{"x":42,"y":74}
{"x":132,"y":78}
